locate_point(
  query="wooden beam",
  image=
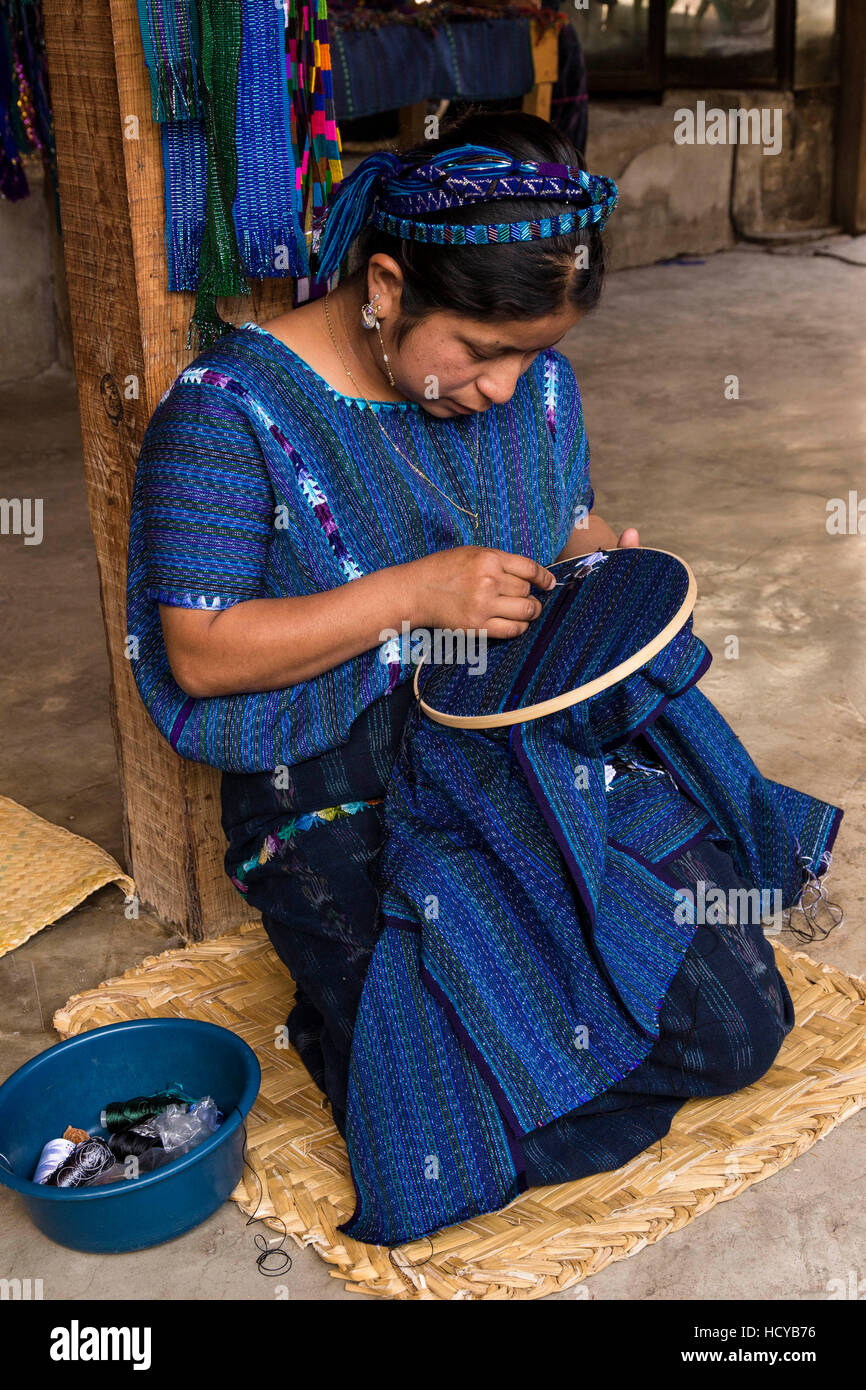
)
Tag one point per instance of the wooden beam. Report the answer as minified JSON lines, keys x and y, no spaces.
{"x":851,"y":121}
{"x":129,"y":336}
{"x":411,"y":124}
{"x":545,"y":59}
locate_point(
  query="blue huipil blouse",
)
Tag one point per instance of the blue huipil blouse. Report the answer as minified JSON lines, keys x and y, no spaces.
{"x":257,"y":479}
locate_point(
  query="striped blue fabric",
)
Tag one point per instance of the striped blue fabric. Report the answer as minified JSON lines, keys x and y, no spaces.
{"x":648,"y":813}
{"x":472,"y":59}
{"x":184,"y":163}
{"x":527,"y":926}
{"x":257,"y":479}
{"x":265,"y":210}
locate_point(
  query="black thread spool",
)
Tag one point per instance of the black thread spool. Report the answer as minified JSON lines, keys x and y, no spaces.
{"x":133,"y":1143}
{"x":84,"y":1165}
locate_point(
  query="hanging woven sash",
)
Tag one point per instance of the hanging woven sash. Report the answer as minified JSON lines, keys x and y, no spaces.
{"x":184,"y":163}
{"x":530,"y":932}
{"x":265,"y":210}
{"x":219,"y":269}
{"x":232,"y":191}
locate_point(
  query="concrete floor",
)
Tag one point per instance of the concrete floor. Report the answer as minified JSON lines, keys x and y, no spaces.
{"x":737,"y":487}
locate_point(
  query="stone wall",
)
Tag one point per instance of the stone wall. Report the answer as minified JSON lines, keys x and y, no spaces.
{"x":693,"y":199}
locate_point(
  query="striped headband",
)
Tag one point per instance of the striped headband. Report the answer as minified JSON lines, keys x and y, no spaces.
{"x":397,"y":197}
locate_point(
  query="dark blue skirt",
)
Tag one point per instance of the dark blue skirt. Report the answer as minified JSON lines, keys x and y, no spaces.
{"x":722,"y":1022}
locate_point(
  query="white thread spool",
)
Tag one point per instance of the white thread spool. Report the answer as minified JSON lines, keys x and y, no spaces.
{"x":56,"y":1151}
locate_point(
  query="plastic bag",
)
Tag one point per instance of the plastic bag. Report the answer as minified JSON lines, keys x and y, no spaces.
{"x":180,"y":1127}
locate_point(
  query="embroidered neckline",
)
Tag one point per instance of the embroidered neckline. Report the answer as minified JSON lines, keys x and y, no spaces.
{"x":357,"y":401}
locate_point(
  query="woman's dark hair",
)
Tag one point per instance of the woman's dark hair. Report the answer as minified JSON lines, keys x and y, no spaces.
{"x":511,"y":280}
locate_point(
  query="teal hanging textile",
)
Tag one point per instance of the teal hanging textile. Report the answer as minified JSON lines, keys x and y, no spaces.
{"x":172,"y":52}
{"x":219,"y":88}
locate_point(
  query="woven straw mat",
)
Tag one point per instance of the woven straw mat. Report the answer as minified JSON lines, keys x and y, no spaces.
{"x":550,"y":1237}
{"x":45,"y":871}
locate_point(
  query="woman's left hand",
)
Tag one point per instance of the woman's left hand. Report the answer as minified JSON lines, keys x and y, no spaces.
{"x":629,"y":539}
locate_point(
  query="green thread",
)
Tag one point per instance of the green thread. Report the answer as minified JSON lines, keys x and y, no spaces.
{"x":220,"y":270}
{"x":121,"y":1114}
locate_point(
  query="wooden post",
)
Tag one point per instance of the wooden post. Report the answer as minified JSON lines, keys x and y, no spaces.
{"x":411,"y":124}
{"x":129,"y":338}
{"x":545,"y":58}
{"x":851,"y":123}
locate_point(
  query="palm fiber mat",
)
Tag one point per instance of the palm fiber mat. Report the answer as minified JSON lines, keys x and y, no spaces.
{"x":548,"y":1238}
{"x":45,"y":871}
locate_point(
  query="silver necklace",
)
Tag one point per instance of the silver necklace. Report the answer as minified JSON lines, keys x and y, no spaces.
{"x":421,"y":474}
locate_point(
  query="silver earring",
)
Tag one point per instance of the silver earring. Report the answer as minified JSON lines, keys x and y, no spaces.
{"x":370,"y":319}
{"x":370,"y":314}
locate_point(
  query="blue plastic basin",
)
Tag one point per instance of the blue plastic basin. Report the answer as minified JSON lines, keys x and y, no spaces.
{"x":72,"y":1082}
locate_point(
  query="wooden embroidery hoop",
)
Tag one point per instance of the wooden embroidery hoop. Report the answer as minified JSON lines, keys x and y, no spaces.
{"x":581,"y":692}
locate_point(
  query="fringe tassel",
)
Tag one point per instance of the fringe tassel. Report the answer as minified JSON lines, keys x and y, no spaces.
{"x":807,"y":927}
{"x":206,"y":326}
{"x":174,"y":92}
{"x":262,"y":246}
{"x":171,"y":42}
{"x":182,"y":245}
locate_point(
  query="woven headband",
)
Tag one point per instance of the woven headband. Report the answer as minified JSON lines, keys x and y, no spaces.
{"x":396,"y":196}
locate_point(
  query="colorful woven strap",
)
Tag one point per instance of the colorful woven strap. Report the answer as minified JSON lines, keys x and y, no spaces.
{"x":481,"y":174}
{"x":484,"y":233}
{"x":397,"y":195}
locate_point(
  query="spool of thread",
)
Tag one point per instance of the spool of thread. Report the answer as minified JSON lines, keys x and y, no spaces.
{"x":83,"y":1165}
{"x":125,"y":1114}
{"x":56,"y":1151}
{"x":77,"y":1136}
{"x":133,"y":1142}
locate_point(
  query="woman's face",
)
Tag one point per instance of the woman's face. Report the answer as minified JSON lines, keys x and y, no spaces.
{"x":455,"y":366}
{"x":452,"y":365}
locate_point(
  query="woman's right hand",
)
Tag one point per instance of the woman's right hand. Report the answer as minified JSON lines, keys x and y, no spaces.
{"x":473,"y":586}
{"x":274,"y":643}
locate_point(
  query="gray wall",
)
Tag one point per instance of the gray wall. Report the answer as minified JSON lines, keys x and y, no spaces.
{"x":34,"y":330}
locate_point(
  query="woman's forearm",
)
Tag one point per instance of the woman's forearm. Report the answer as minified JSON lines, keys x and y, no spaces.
{"x":594,"y":535}
{"x":272,"y":643}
